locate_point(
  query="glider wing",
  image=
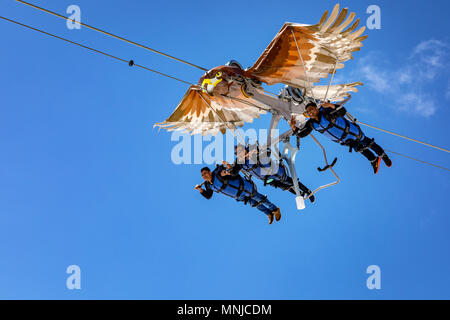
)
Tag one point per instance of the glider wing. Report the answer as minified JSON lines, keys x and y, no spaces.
{"x":201,"y":113}
{"x":322,"y":46}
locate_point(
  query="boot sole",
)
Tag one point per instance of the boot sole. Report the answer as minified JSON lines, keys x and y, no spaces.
{"x":378,"y":165}
{"x":277,"y":214}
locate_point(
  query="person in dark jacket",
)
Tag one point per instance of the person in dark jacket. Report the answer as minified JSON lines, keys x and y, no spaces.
{"x":231,"y":184}
{"x":262,"y":166}
{"x":329,"y":120}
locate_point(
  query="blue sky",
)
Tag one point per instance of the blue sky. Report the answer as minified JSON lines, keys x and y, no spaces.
{"x":85,"y":179}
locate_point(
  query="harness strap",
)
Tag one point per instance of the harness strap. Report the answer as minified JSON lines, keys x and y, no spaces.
{"x":331,"y":124}
{"x":368,"y":146}
{"x":346,"y":131}
{"x":281,"y":185}
{"x":284,"y":177}
{"x":225,"y":183}
{"x":352,"y":144}
{"x":260,"y":202}
{"x":360,"y":133}
{"x":241,"y":187}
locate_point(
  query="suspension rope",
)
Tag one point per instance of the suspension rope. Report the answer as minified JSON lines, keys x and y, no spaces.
{"x":401,"y":136}
{"x":331,"y":79}
{"x":362,"y":123}
{"x":112,"y":35}
{"x":303,"y":64}
{"x":418,"y":160}
{"x":246,"y":102}
{"x":131,"y":63}
{"x":224,"y":121}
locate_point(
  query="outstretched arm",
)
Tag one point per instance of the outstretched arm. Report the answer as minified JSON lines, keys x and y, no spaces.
{"x":207,"y":192}
{"x":337,"y":111}
{"x":301,"y":133}
{"x":328,"y":105}
{"x":232,"y":169}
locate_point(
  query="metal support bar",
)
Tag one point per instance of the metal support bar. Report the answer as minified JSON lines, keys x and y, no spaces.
{"x":289,"y":154}
{"x":329,"y":168}
{"x":281,"y":107}
{"x":273,"y":126}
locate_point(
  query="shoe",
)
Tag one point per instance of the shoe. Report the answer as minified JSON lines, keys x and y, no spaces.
{"x":270,"y":216}
{"x":387,"y":160}
{"x":277,"y":214}
{"x":376,"y":164}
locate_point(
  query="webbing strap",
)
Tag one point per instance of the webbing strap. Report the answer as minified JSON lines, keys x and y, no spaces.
{"x":260,"y":202}
{"x":346,"y":131}
{"x":368,"y":146}
{"x":241,"y":187}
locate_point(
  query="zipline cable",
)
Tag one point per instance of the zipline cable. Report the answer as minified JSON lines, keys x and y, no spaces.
{"x":404,"y":137}
{"x":95,"y":50}
{"x":131,"y":63}
{"x":204,"y":69}
{"x":418,"y":160}
{"x":186,"y":82}
{"x":111,"y":35}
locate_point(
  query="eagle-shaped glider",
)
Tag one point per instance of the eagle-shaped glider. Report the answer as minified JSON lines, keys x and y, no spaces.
{"x":299,"y":56}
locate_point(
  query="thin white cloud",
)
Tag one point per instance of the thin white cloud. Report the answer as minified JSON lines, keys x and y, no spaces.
{"x":375,"y":78}
{"x":405,"y":76}
{"x":418,"y":103}
{"x":428,"y":45}
{"x":407,"y":83}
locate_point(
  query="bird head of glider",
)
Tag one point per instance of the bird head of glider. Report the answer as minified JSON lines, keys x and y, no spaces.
{"x":210,"y":82}
{"x":217,"y":80}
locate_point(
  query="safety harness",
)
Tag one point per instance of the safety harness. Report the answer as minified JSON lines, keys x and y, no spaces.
{"x":352,"y":144}
{"x":240,"y":188}
{"x":345,"y":130}
{"x":281,"y":177}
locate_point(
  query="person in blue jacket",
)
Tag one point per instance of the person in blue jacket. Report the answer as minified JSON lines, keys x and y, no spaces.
{"x":329,"y":120}
{"x":222,"y":180}
{"x":261,"y":165}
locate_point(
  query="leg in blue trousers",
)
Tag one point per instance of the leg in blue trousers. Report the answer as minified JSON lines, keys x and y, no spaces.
{"x":264,"y":205}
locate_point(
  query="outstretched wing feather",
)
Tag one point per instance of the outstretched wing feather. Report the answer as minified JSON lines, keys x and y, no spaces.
{"x":200,"y":113}
{"x":321,"y":47}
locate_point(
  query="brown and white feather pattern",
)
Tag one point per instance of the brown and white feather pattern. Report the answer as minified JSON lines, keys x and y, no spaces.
{"x":200,"y":113}
{"x":335,"y":93}
{"x":322,"y":46}
{"x":331,"y":41}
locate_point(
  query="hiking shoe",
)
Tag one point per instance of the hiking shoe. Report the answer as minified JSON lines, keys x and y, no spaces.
{"x":376,"y":164}
{"x":270,"y":216}
{"x":387,"y":160}
{"x":277,"y":214}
